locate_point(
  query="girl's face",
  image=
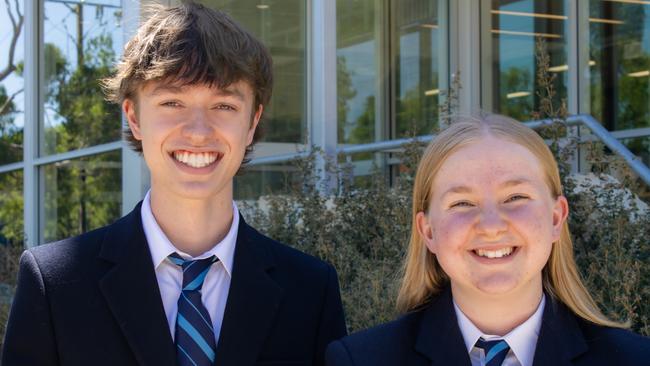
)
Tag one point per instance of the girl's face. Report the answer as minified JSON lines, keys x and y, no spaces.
{"x":492,"y":220}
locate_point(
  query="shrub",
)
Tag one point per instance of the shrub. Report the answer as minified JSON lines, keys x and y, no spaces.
{"x":611,"y":231}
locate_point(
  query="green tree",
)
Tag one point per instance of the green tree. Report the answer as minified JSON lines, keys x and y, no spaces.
{"x":516,"y":79}
{"x":344,"y":93}
{"x":84,"y":193}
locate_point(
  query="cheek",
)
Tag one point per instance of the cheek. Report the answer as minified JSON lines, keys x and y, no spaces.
{"x":450,"y":232}
{"x":534,"y":221}
{"x":235,"y":131}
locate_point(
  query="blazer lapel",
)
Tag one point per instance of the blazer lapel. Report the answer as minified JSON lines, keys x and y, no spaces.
{"x":253,"y":300}
{"x":560,"y":338}
{"x":439,"y":338}
{"x":131,"y":291}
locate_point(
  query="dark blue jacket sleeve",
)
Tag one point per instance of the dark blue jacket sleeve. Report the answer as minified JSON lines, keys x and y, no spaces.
{"x":29,"y":339}
{"x":337,"y":355}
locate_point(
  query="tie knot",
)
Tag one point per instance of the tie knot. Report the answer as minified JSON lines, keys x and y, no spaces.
{"x":194,"y":271}
{"x":495,"y":351}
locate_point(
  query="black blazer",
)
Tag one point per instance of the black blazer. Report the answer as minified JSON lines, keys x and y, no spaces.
{"x":94,"y":300}
{"x":431,"y":336}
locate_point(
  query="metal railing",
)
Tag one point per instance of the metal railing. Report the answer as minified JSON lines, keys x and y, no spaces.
{"x":608,"y":139}
{"x":581,"y":119}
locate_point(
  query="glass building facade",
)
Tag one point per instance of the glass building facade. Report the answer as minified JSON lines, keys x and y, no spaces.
{"x":347,"y":73}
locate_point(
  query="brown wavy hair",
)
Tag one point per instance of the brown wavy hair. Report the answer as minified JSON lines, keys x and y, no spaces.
{"x":191,"y":44}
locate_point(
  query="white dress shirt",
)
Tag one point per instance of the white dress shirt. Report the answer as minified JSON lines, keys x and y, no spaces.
{"x":214,"y":292}
{"x":522,"y":340}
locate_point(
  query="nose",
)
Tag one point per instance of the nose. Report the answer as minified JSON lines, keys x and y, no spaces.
{"x":197,"y":127}
{"x":491,"y":222}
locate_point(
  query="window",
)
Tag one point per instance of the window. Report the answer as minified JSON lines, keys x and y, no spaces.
{"x":11,"y":82}
{"x":81,"y":194}
{"x":619,"y":63}
{"x":508,"y":49}
{"x":81,"y":43}
{"x":388,"y":59}
{"x":11,"y":207}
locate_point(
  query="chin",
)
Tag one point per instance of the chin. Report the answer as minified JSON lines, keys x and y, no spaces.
{"x":497,"y":285}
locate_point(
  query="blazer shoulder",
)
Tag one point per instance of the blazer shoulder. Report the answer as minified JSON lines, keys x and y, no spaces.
{"x":386,"y":344}
{"x":615,"y":343}
{"x":86,"y":242}
{"x":66,"y":260}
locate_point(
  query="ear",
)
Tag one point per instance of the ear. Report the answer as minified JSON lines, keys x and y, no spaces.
{"x":128,"y":107}
{"x":254,"y":123}
{"x":560,"y":214}
{"x":426,"y":231}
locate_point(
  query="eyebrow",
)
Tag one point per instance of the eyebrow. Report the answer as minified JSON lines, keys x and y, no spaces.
{"x":507,"y":184}
{"x":227,"y":92}
{"x":160,"y":89}
{"x":231,"y":92}
{"x":515,"y":182}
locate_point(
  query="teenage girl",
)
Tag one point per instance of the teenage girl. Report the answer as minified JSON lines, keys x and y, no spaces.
{"x":489,"y":277}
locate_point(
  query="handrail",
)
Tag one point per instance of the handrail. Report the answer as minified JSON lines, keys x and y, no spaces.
{"x":587,"y":120}
{"x":607,"y":138}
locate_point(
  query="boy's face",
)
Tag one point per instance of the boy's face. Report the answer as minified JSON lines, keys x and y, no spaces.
{"x":193,"y":137}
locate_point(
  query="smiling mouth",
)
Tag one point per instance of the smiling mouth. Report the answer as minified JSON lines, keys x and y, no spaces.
{"x":196,"y":160}
{"x":492,"y":254}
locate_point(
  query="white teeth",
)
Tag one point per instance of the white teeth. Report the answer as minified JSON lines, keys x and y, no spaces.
{"x":499,"y":253}
{"x":198,"y":160}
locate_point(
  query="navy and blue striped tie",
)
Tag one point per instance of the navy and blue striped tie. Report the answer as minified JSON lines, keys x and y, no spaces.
{"x":495,"y":351}
{"x":195,"y":344}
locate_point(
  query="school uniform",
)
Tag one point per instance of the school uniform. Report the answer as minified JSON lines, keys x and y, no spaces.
{"x":99,"y":299}
{"x":432,"y":336}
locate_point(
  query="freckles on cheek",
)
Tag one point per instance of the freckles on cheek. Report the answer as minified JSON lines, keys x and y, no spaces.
{"x":535,"y":220}
{"x":449,"y":229}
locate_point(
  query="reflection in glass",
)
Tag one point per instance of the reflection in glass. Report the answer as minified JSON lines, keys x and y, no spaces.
{"x":256,"y":181}
{"x":11,"y":81}
{"x":11,"y":208}
{"x":358,"y":55}
{"x":387,"y":68}
{"x":280,"y":25}
{"x":509,"y":82}
{"x":416,"y":73}
{"x":82,"y":42}
{"x":81,"y":194}
{"x":620,"y":63}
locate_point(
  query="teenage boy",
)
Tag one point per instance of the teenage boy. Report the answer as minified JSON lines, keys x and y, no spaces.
{"x":182,"y":279}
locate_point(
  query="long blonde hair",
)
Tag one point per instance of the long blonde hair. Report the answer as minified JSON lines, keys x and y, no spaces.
{"x":423,"y":277}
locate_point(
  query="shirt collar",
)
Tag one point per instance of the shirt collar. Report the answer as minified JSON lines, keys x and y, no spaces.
{"x":161,"y":247}
{"x":522,"y":340}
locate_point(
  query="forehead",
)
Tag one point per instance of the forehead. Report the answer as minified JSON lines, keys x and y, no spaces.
{"x":487,"y":162}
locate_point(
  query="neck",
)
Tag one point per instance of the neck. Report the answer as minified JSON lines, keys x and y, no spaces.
{"x":498,"y":314}
{"x":193,"y":226}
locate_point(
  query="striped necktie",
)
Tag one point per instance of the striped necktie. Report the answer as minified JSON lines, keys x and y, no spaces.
{"x":195,"y":344}
{"x":495,"y":351}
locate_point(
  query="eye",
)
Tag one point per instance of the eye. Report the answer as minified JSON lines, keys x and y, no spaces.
{"x":461,"y":204}
{"x":225,"y":107}
{"x":171,"y":103}
{"x":516,"y":197}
